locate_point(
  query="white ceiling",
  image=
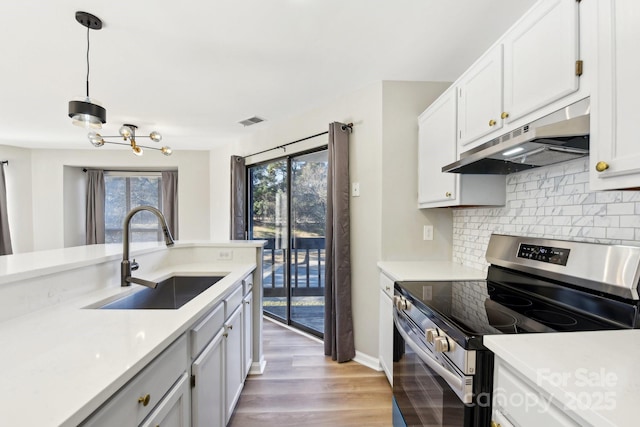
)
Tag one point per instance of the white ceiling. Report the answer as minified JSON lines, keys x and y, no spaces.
{"x":192,"y":69}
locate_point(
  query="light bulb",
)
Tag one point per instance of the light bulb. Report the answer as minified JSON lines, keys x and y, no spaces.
{"x":125,"y":132}
{"x":166,"y":151}
{"x":155,"y":136}
{"x":96,"y":139}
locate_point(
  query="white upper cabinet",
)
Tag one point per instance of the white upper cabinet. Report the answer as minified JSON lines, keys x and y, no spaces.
{"x":436,"y":148}
{"x":480,"y":99}
{"x":540,"y":55}
{"x":615,"y":145}
{"x":524,"y":76}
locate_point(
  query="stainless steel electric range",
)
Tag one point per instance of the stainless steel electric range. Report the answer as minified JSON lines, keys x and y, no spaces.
{"x":443,"y":374}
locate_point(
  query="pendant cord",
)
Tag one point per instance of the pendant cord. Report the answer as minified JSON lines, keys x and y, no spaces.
{"x":87,"y":62}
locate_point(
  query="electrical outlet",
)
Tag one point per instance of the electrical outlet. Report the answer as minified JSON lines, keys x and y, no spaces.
{"x":427,"y":232}
{"x":225,"y":255}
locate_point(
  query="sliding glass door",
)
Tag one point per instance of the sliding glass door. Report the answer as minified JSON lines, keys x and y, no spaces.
{"x":287,"y":199}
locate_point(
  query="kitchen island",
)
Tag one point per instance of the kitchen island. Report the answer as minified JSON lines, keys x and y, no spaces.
{"x":61,"y":360}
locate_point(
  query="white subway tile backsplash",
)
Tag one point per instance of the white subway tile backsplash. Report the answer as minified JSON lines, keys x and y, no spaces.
{"x":621,"y":208}
{"x":553,"y":202}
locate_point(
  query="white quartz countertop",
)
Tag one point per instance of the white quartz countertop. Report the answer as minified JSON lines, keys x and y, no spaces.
{"x":595,"y":375}
{"x":429,"y":270}
{"x":61,"y":362}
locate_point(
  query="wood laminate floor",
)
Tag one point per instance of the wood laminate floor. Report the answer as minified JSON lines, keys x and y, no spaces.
{"x":302,"y":387}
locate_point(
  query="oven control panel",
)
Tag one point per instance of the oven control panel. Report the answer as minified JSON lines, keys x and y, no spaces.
{"x":546,"y":254}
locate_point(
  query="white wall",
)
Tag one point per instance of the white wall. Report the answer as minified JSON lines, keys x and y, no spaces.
{"x":378,"y":216}
{"x":402,"y":221}
{"x":48,"y":186}
{"x":74,"y":206}
{"x":19,"y":196}
{"x":553,"y":202}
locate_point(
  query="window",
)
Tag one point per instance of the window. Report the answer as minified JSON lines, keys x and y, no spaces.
{"x":123,"y":192}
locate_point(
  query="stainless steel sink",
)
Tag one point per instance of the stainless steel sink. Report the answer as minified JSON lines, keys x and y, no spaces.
{"x":171,"y":293}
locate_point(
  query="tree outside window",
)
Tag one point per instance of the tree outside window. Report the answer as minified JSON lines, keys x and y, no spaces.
{"x":125,"y":191}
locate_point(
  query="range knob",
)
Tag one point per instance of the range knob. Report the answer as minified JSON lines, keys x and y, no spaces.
{"x":402,"y":303}
{"x":441,"y":344}
{"x":431,"y":334}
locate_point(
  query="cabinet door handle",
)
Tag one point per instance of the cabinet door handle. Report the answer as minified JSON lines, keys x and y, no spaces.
{"x":247,"y":302}
{"x":492,"y":122}
{"x":447,"y":194}
{"x":602,"y":166}
{"x":144,"y":399}
{"x":387,"y":288}
{"x":504,"y":115}
{"x":495,"y":424}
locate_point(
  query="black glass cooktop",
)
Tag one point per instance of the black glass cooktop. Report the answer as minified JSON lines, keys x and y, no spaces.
{"x":508,"y":303}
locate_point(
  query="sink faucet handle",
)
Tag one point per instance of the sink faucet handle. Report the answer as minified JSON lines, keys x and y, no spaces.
{"x":134,"y":265}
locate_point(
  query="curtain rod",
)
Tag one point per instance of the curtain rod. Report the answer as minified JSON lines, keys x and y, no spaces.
{"x":283,"y":146}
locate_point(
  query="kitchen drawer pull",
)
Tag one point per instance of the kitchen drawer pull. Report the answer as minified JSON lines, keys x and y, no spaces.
{"x":144,"y":399}
{"x":492,"y":123}
{"x":504,"y":115}
{"x":602,"y":166}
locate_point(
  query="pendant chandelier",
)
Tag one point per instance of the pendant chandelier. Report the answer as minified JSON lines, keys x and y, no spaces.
{"x":85,"y":111}
{"x":128,"y":134}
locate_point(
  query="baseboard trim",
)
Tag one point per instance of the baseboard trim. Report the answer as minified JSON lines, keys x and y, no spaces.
{"x":257,"y":368}
{"x":368,"y":361}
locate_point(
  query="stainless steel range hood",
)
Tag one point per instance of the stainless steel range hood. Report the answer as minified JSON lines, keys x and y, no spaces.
{"x":560,"y":136}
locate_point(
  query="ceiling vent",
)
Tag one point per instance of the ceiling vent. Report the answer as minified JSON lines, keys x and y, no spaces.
{"x":251,"y":121}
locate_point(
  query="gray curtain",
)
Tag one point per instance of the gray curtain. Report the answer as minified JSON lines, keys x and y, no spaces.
{"x":5,"y":235}
{"x":338,"y":320}
{"x":238,"y":195}
{"x":170,"y":200}
{"x":94,"y":229}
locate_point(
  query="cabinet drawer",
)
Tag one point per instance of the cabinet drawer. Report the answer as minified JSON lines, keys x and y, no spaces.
{"x":521,"y":403}
{"x":233,"y":301}
{"x":206,"y":329}
{"x":127,"y":406}
{"x":247,"y":284}
{"x":386,"y":284}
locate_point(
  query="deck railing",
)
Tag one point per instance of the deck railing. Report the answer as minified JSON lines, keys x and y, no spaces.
{"x":307,"y":267}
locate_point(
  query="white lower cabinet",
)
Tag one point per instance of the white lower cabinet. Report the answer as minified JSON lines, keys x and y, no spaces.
{"x":208,"y":390}
{"x":144,"y":393}
{"x":518,"y":402}
{"x":174,"y":409}
{"x":247,"y":336}
{"x":219,"y":370}
{"x":385,"y":342}
{"x":233,"y":377}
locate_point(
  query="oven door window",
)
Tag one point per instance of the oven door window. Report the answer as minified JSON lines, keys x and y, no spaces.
{"x":422,"y":396}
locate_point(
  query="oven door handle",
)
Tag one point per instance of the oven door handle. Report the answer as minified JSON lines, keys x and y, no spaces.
{"x":456,"y":383}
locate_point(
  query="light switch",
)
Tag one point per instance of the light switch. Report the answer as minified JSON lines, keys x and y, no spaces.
{"x":355,"y":189}
{"x":427,"y":232}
